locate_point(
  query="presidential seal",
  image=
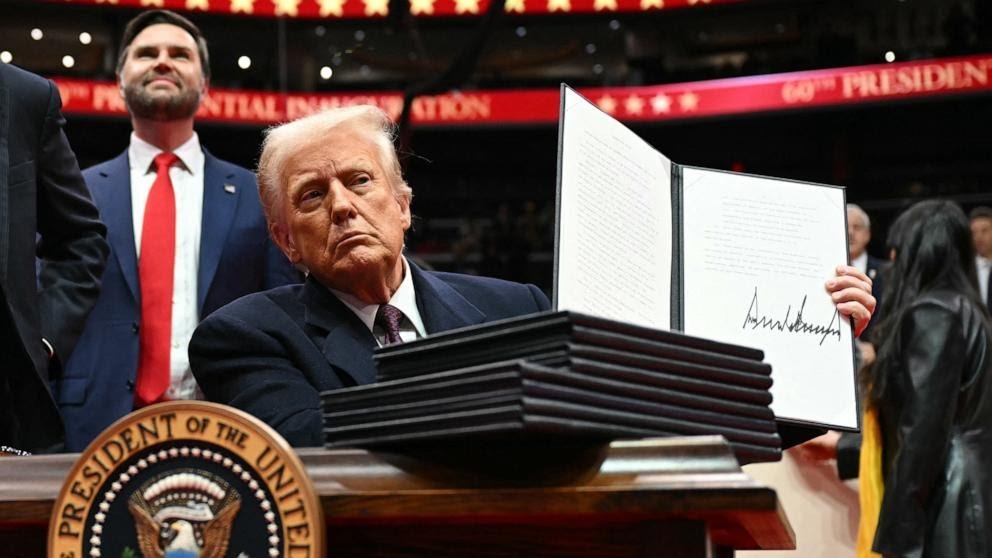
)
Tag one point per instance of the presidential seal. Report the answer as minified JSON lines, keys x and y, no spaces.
{"x":187,"y":479}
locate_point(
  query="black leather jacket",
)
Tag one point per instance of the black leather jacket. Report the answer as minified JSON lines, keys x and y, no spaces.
{"x":936,"y":420}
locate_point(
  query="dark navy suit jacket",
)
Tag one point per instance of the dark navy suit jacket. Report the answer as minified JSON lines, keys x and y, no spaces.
{"x":236,"y":258}
{"x":45,"y":213}
{"x":272,"y":353}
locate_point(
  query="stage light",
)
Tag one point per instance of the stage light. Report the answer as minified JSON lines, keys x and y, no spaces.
{"x":359,"y":35}
{"x":320,"y":31}
{"x":68,"y":61}
{"x":36,"y":34}
{"x":85,"y":38}
{"x":614,"y":25}
{"x":590,"y":48}
{"x":597,"y":69}
{"x":521,"y":31}
{"x":326,"y":72}
{"x":890,"y":56}
{"x":6,"y":56}
{"x":244,"y":62}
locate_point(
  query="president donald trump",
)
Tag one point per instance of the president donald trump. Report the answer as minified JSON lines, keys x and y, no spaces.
{"x":336,"y":204}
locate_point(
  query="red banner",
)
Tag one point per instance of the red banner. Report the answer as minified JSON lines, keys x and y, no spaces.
{"x":380,"y":8}
{"x":838,"y":86}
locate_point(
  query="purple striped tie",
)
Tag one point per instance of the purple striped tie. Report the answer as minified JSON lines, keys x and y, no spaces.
{"x":388,"y":318}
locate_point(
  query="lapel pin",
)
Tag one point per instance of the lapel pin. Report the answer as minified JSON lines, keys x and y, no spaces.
{"x":229,"y":188}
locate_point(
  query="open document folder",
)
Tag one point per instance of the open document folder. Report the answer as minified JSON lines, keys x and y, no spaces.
{"x":727,"y":256}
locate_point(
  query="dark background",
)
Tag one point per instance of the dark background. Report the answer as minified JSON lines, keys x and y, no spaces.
{"x":484,"y":196}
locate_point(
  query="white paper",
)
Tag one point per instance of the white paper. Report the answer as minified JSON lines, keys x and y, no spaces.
{"x":615,"y":223}
{"x":756,"y":255}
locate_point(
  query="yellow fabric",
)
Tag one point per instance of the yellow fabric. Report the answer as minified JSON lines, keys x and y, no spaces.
{"x":870,"y":483}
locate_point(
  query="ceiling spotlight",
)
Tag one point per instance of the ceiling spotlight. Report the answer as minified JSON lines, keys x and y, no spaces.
{"x":590,"y":48}
{"x":68,"y":61}
{"x":326,"y":72}
{"x":36,"y":34}
{"x":85,"y":38}
{"x":359,"y":35}
{"x":614,"y":25}
{"x":521,"y":31}
{"x":244,"y":62}
{"x":597,"y":69}
{"x":6,"y":56}
{"x":890,"y":56}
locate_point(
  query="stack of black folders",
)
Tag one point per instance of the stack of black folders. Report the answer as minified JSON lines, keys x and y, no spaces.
{"x":558,"y":376}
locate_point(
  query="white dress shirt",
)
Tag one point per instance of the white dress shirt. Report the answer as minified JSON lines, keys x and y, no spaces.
{"x":187,"y":183}
{"x":861,"y":262}
{"x":405,"y":298}
{"x":983,"y":266}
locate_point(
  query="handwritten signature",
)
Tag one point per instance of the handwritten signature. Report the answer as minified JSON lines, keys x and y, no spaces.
{"x":755,"y":320}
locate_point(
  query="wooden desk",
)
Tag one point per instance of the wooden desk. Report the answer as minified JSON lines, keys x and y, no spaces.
{"x":662,"y":497}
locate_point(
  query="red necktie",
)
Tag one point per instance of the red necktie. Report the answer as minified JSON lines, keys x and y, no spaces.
{"x":155,"y":273}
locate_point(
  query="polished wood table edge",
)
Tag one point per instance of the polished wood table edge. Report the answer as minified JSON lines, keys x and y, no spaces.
{"x":695,"y":478}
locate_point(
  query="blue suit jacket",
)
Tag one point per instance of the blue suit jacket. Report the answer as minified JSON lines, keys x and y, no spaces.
{"x":236,"y":258}
{"x":272,"y":353}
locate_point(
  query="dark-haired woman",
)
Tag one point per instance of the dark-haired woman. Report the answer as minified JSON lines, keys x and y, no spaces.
{"x":926,"y":459}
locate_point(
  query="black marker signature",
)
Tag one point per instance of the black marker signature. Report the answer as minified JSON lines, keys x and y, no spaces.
{"x":798,"y":325}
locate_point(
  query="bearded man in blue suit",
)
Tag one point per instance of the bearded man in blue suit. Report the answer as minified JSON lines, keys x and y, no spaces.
{"x":186,"y":232}
{"x":336,"y":204}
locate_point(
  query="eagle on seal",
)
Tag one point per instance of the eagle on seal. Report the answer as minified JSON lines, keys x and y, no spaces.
{"x":177,"y":539}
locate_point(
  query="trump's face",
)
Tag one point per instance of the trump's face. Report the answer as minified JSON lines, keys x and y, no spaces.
{"x":340,"y":216}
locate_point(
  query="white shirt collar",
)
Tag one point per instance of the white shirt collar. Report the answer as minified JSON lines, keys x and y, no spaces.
{"x":141,"y":154}
{"x":405,"y":298}
{"x":861,"y":262}
{"x":982,"y":262}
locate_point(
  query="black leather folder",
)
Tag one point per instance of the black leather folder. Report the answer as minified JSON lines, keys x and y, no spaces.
{"x":558,"y":376}
{"x":624,"y":382}
{"x":527,"y":419}
{"x":427,"y":407}
{"x":539,"y":334}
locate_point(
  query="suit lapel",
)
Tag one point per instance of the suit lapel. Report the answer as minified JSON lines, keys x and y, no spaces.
{"x":348,"y":344}
{"x":441,"y":307}
{"x":115,"y":210}
{"x":220,"y":202}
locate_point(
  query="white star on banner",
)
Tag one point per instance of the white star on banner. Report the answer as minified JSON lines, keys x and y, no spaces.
{"x":634,"y":105}
{"x":287,"y":7}
{"x":648,"y":4}
{"x":600,"y":5}
{"x":607,"y":103}
{"x":242,"y":6}
{"x":514,"y":6}
{"x":688,"y":101}
{"x":559,"y":5}
{"x":466,"y":6}
{"x":418,"y":7}
{"x":156,"y":3}
{"x":661,"y":103}
{"x":107,"y":1}
{"x":331,"y":7}
{"x":373,"y":7}
{"x":197,"y":5}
